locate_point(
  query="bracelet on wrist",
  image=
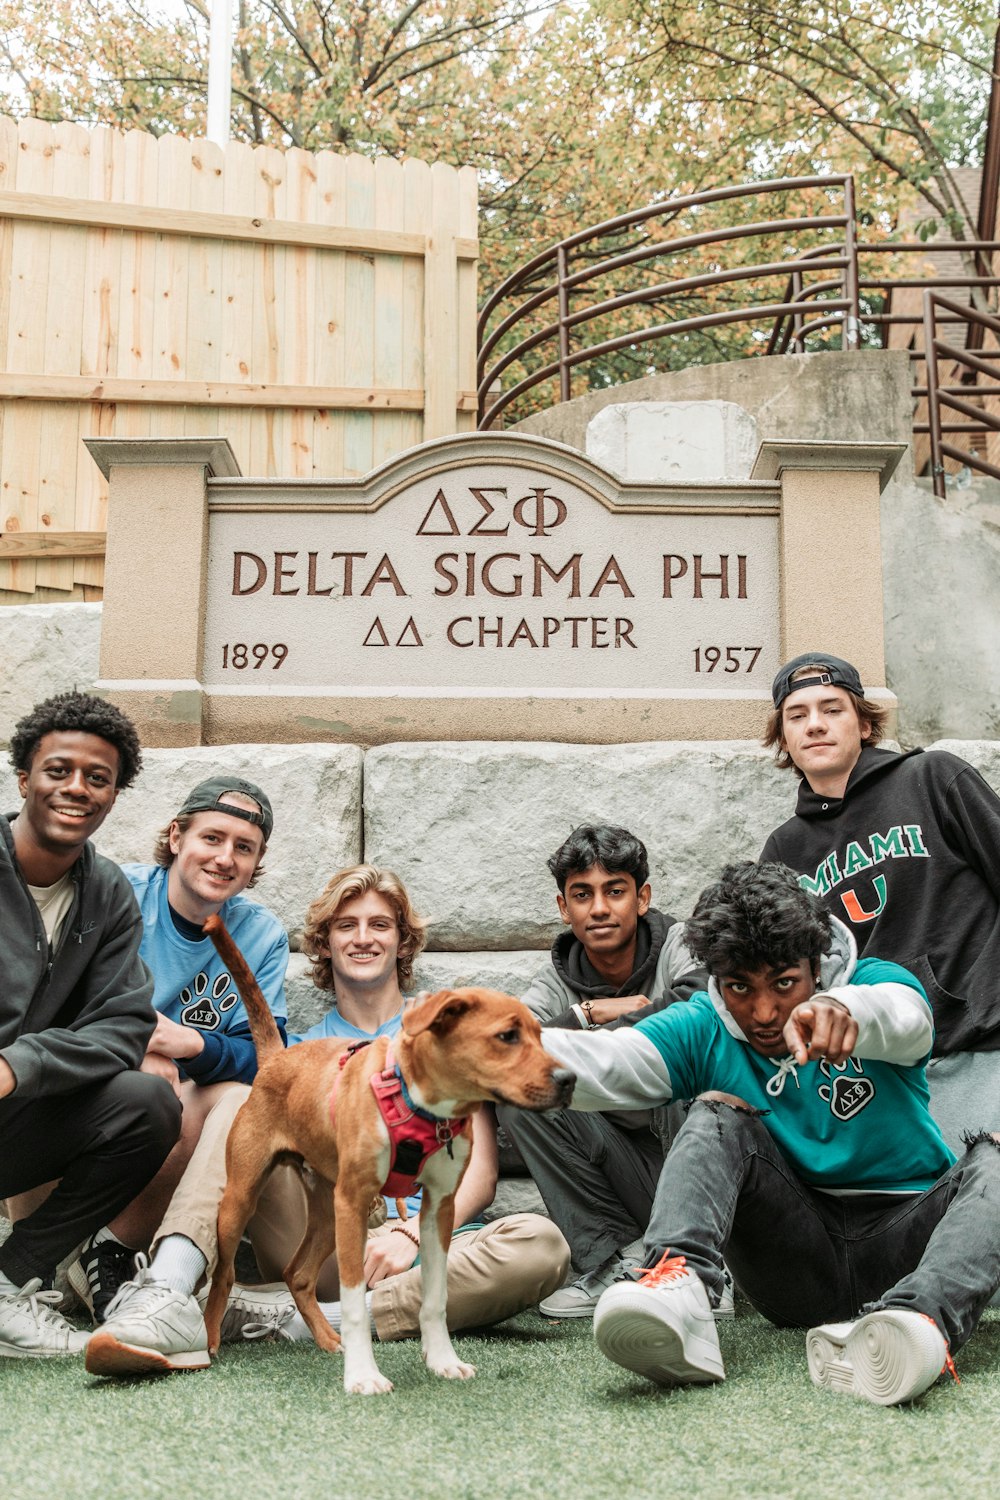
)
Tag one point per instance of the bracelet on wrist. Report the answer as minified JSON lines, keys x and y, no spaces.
{"x":401,"y":1229}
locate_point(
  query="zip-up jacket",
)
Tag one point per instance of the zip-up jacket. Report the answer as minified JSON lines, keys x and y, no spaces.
{"x":862,"y":1126}
{"x":909,"y":858}
{"x":78,"y":1016}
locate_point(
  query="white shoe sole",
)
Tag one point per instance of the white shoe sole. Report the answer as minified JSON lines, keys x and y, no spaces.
{"x":569,"y":1312}
{"x":15,"y":1351}
{"x":888,"y":1357}
{"x":633,"y":1335}
{"x":107,"y":1355}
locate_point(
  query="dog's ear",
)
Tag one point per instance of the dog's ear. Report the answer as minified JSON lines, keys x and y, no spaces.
{"x":437,"y":1013}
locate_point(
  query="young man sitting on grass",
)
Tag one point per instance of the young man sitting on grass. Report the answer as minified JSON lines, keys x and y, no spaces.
{"x":621,"y":959}
{"x":363,"y":936}
{"x":809,"y":1158}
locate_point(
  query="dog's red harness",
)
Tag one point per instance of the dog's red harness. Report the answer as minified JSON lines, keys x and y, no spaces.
{"x":414,"y":1134}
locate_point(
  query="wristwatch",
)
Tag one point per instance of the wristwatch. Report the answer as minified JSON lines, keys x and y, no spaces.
{"x":587,"y":1006}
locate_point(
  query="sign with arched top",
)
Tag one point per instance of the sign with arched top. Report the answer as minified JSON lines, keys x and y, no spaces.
{"x":482,"y":586}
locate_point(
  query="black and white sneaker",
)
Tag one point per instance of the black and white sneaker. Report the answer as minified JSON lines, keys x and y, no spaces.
{"x":98,"y":1272}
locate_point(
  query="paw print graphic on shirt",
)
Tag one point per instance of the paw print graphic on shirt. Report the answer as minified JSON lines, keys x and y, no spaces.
{"x":205,"y":1009}
{"x":846,"y":1095}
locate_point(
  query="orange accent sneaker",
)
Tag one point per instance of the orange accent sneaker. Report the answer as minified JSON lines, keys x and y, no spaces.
{"x":661,"y":1326}
{"x":890,"y":1356}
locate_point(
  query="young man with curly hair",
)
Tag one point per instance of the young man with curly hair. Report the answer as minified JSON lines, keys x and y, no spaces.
{"x":75,"y":1013}
{"x":904,"y":847}
{"x":205,"y":858}
{"x":809,"y":1157}
{"x":362,"y":935}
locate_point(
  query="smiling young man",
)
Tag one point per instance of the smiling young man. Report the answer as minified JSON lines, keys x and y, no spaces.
{"x":809,"y":1157}
{"x":904,"y":848}
{"x":362,"y":935}
{"x":621,"y":959}
{"x":206,"y":857}
{"x":75,"y":1013}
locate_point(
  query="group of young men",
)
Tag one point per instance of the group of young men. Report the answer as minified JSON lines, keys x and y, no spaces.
{"x":752,"y":1092}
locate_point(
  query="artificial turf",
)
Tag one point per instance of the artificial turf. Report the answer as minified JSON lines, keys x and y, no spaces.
{"x":547,"y":1416}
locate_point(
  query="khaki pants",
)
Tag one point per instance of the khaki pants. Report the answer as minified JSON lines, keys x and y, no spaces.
{"x":493,"y":1272}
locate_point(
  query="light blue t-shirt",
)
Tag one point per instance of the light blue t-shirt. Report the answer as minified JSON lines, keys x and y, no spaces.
{"x":193,"y":986}
{"x":862,"y":1126}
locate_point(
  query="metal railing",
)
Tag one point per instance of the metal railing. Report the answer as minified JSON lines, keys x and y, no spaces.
{"x":969,"y":397}
{"x":558,"y":273}
{"x":831,"y":288}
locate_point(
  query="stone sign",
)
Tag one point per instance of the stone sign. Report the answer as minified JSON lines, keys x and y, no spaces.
{"x":490,"y":576}
{"x":492,"y":586}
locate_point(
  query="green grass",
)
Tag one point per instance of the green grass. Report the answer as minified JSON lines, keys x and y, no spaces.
{"x":546,"y":1417}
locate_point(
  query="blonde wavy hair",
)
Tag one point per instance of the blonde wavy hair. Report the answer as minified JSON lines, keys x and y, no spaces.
{"x":348,"y":885}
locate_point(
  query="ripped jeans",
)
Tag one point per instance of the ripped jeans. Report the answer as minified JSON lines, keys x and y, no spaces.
{"x":804,"y":1257}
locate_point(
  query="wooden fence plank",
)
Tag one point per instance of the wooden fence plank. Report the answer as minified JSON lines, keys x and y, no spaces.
{"x":359,"y":314}
{"x":259,"y":230}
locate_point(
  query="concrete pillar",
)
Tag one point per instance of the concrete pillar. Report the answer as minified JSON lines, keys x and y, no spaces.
{"x":830,"y":547}
{"x":155,"y":576}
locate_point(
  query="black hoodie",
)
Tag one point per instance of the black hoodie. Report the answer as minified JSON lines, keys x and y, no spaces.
{"x":909,"y":858}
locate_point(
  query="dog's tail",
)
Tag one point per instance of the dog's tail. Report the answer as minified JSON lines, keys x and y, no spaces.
{"x":266,"y":1036}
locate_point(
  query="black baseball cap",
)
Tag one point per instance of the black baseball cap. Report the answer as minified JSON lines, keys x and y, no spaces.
{"x":831,"y":671}
{"x":208,"y":795}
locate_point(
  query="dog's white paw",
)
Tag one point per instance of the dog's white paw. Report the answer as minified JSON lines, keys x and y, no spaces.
{"x":454,"y":1370}
{"x":368,"y":1385}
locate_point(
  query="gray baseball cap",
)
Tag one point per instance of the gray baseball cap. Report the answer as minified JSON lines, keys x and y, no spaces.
{"x":208,"y":796}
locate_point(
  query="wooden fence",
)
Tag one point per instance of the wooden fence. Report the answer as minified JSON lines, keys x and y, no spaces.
{"x":316,"y":309}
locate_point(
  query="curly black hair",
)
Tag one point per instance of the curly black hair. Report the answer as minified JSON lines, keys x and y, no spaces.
{"x":756,"y":917}
{"x":86,"y":714}
{"x":619,"y":851}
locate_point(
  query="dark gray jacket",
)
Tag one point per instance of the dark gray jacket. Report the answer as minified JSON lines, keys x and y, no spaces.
{"x":84,"y":1013}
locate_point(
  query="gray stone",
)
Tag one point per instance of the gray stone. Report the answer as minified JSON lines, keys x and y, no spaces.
{"x":664,"y":441}
{"x":469,"y":826}
{"x":315,"y":791}
{"x":45,"y":649}
{"x":983,"y":754}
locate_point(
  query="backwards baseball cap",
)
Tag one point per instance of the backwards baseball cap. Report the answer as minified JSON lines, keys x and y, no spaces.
{"x":210,"y":795}
{"x":831,"y":671}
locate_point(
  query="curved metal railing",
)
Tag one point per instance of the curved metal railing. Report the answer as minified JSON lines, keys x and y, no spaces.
{"x":830,"y":287}
{"x":558,"y":274}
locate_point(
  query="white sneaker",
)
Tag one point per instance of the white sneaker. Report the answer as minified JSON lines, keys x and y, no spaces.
{"x":661,"y":1326}
{"x":890,"y":1356}
{"x":726,"y":1305}
{"x":255,"y":1312}
{"x":30,"y":1327}
{"x":579,"y":1299}
{"x":148,"y":1329}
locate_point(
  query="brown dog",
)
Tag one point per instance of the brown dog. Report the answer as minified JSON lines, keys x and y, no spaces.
{"x":314,"y":1105}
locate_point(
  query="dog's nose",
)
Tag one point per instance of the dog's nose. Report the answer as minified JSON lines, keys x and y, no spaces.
{"x":565,"y":1081}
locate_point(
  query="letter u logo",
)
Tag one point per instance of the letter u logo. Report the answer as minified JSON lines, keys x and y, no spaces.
{"x":855,"y":911}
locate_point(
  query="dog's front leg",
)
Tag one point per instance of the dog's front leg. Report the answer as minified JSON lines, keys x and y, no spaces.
{"x":351,"y":1201}
{"x":437,"y":1220}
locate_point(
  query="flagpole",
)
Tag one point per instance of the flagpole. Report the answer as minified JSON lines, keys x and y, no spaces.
{"x":220,"y":71}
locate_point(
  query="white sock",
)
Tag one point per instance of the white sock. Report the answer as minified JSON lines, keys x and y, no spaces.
{"x":297,"y":1328}
{"x":178,"y":1264}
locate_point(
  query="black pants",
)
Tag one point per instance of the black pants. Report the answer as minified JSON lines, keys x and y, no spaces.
{"x":105,"y":1144}
{"x":597,"y":1180}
